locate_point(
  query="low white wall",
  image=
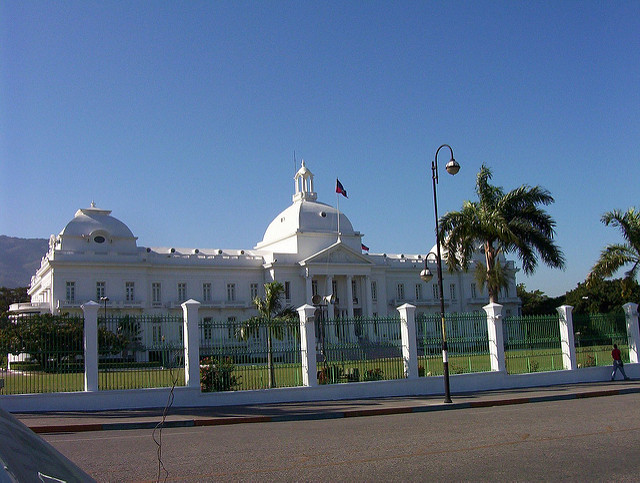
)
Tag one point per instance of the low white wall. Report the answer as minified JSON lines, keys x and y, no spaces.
{"x":192,"y":397}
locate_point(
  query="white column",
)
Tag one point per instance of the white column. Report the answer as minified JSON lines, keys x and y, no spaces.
{"x":496,"y":337}
{"x":90,"y":311}
{"x":409,"y":342}
{"x":330,"y":306}
{"x":631,"y":312}
{"x":349,"y":297}
{"x":368,"y":296}
{"x":308,"y":345}
{"x":191,"y":337}
{"x":308,"y":288}
{"x":567,"y":338}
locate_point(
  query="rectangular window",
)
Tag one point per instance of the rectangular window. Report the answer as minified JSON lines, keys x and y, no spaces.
{"x":287,"y":291}
{"x":71,"y":292}
{"x":231,"y":292}
{"x":435,"y":291}
{"x":374,"y":290}
{"x":156,"y":293}
{"x":100,"y":290}
{"x":206,"y":292}
{"x":314,"y":287}
{"x":254,"y":291}
{"x":452,"y":291}
{"x":334,"y":289}
{"x":129,"y":291}
{"x":231,"y":327}
{"x":182,"y":291}
{"x":157,"y":334}
{"x":206,"y":328}
{"x":354,"y":290}
{"x":400,"y":291}
{"x":418,"y":291}
{"x":474,"y":293}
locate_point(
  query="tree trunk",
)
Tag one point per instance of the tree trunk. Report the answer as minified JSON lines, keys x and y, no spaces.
{"x":490,"y":256}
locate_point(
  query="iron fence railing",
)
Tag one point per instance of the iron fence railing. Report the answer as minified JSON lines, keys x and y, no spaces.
{"x":235,"y":355}
{"x":42,"y":354}
{"x":532,"y":344}
{"x":594,"y":336}
{"x":140,"y":351}
{"x":467,"y":342}
{"x":359,"y":349}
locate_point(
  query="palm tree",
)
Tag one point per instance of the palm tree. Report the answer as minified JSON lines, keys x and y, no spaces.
{"x":276,"y":318}
{"x":616,"y":256}
{"x":500,"y":223}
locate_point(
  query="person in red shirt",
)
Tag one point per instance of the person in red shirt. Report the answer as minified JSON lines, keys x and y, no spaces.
{"x":617,"y":363}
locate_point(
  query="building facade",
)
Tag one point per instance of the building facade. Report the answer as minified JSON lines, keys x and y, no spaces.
{"x":310,"y":247}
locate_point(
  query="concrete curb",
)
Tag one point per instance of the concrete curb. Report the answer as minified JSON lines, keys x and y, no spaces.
{"x":320,"y":414}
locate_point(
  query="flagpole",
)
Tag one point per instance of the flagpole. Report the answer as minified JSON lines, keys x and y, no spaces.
{"x":338,"y":202}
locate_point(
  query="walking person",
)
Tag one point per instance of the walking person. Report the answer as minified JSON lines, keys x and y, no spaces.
{"x":617,"y":363}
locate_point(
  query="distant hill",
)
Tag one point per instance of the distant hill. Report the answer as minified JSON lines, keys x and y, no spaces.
{"x":19,"y":259}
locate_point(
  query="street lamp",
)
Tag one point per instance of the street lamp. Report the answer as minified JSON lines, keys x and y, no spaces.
{"x":105,"y":300}
{"x":452,"y":168}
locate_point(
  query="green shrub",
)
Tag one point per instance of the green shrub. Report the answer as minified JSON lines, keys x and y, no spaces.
{"x":374,"y":374}
{"x":217,"y":375}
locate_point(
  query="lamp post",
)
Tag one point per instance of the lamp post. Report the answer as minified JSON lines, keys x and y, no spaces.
{"x":452,"y":168}
{"x":105,"y":300}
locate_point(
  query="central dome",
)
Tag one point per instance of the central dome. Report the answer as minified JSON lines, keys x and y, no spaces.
{"x":307,"y":217}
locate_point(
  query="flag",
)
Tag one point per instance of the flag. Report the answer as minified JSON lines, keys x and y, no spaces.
{"x":340,"y":189}
{"x":364,"y":247}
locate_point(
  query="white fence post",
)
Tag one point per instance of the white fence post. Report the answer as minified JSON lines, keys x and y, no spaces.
{"x":567,"y":337}
{"x":496,"y":337}
{"x":409,"y":343}
{"x":633,"y":335}
{"x":191,"y":338}
{"x":308,"y":345}
{"x":90,"y":341}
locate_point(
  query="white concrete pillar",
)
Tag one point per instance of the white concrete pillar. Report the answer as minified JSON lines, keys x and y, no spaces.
{"x":409,"y":342}
{"x":633,"y":335}
{"x":191,"y":337}
{"x":496,"y":337}
{"x":308,"y":345}
{"x":90,"y":311}
{"x":567,"y":338}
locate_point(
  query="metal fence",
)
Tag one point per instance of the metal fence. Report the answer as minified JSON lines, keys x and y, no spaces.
{"x":235,"y":355}
{"x":140,"y":351}
{"x":359,"y":349}
{"x":41,"y":354}
{"x":467,"y":342}
{"x":595,"y":335}
{"x":532,"y":344}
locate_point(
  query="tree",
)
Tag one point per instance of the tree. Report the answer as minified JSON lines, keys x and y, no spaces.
{"x":10,"y":296}
{"x":599,"y":296}
{"x":504,"y":223}
{"x":274,"y":316}
{"x":536,"y":302}
{"x":616,"y":256}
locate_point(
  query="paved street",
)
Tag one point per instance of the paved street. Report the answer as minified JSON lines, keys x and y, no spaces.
{"x":582,"y":439}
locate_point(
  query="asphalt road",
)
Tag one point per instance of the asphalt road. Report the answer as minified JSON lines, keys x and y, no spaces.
{"x":595,"y":439}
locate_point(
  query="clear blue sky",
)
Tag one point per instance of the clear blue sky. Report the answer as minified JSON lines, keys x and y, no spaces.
{"x":183,"y":117}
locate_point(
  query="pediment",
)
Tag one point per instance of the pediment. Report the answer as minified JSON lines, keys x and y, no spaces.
{"x":336,"y":254}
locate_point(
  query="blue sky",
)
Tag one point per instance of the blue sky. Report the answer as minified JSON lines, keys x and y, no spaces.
{"x":183,"y":117}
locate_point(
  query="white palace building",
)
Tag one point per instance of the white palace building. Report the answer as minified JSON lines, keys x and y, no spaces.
{"x":310,"y":247}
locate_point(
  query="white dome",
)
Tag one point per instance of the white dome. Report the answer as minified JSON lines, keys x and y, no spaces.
{"x":307,"y":217}
{"x":97,"y":227}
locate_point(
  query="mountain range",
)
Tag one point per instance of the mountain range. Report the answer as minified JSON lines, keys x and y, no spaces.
{"x":19,"y":259}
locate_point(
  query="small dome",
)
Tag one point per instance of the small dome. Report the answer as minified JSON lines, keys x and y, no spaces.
{"x":97,"y":227}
